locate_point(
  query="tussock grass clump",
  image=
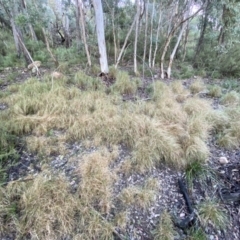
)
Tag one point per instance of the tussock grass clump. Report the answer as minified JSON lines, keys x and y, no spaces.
{"x":215,"y":91}
{"x":165,"y":228}
{"x":210,"y":212}
{"x":180,"y":92}
{"x":197,"y":86}
{"x":42,"y":208}
{"x":123,"y":84}
{"x":97,"y":180}
{"x":231,"y":98}
{"x":220,"y":120}
{"x":196,"y":106}
{"x":162,"y":130}
{"x":229,"y":133}
{"x":177,"y":87}
{"x":47,"y":208}
{"x":46,"y":146}
{"x":112,"y":72}
{"x":86,"y":82}
{"x":139,"y":196}
{"x":196,"y":169}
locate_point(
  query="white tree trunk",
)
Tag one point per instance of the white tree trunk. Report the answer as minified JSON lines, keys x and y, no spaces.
{"x":14,"y":30}
{"x":184,"y":25}
{"x":101,"y":35}
{"x":145,"y":37}
{"x":82,"y":22}
{"x":151,"y":36}
{"x":125,"y":42}
{"x":175,"y":49}
{"x":158,"y":30}
{"x":136,"y":38}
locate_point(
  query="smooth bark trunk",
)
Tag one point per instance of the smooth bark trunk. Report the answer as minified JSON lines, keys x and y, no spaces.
{"x":158,"y":30}
{"x":125,"y":42}
{"x":145,"y":37}
{"x":151,"y":37}
{"x":175,"y":49}
{"x":136,"y":38}
{"x":82,"y":22}
{"x":101,"y":36}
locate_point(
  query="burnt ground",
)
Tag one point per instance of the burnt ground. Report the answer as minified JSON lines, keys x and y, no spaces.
{"x":223,"y":182}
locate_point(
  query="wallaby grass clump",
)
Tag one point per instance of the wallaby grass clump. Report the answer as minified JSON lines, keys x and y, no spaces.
{"x":123,"y":84}
{"x":197,"y":170}
{"x":86,"y":82}
{"x":141,"y":197}
{"x":197,"y":86}
{"x":171,"y":128}
{"x":97,"y":179}
{"x":156,"y":131}
{"x":40,"y":208}
{"x":215,"y":91}
{"x":227,"y":127}
{"x":211,"y":212}
{"x":165,"y":228}
{"x":231,"y":98}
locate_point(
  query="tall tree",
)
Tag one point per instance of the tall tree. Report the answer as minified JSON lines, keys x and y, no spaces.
{"x":136,"y":37}
{"x":101,"y":36}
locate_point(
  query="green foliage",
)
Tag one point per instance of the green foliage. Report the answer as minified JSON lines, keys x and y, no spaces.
{"x":123,"y":84}
{"x":229,"y":62}
{"x":214,"y":91}
{"x":186,"y":71}
{"x":86,"y":82}
{"x":165,"y":228}
{"x":212,"y":212}
{"x":197,"y":170}
{"x":196,"y":234}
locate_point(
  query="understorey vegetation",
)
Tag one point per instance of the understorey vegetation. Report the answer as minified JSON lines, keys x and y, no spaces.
{"x":170,"y":126}
{"x":119,"y":119}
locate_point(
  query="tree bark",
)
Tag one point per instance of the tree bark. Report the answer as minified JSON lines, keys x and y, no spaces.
{"x":48,"y":48}
{"x":145,"y":37}
{"x":151,"y":36}
{"x":175,"y":49}
{"x":202,"y":34}
{"x":158,"y":29}
{"x":125,"y":42}
{"x":78,"y":30}
{"x":169,"y":40}
{"x":101,"y":35}
{"x":82,"y":22}
{"x":136,"y":37}
{"x":16,"y":40}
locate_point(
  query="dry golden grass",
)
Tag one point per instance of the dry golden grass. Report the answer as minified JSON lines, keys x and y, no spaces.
{"x":158,"y":130}
{"x":229,"y":127}
{"x":197,"y":86}
{"x":165,"y":228}
{"x":123,"y":84}
{"x":230,"y":99}
{"x":141,"y":197}
{"x":97,"y":179}
{"x":211,"y":212}
{"x":46,"y":146}
{"x":171,"y":128}
{"x":41,"y":208}
{"x":215,"y":91}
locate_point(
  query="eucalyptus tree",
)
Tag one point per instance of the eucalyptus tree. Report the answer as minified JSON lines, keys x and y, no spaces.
{"x":101,"y":36}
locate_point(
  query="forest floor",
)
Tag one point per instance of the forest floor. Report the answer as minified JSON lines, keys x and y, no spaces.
{"x":128,"y":188}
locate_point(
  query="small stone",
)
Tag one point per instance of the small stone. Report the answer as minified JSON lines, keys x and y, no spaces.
{"x":223,"y":160}
{"x":182,"y":215}
{"x":211,"y":237}
{"x":34,"y":64}
{"x":57,"y":75}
